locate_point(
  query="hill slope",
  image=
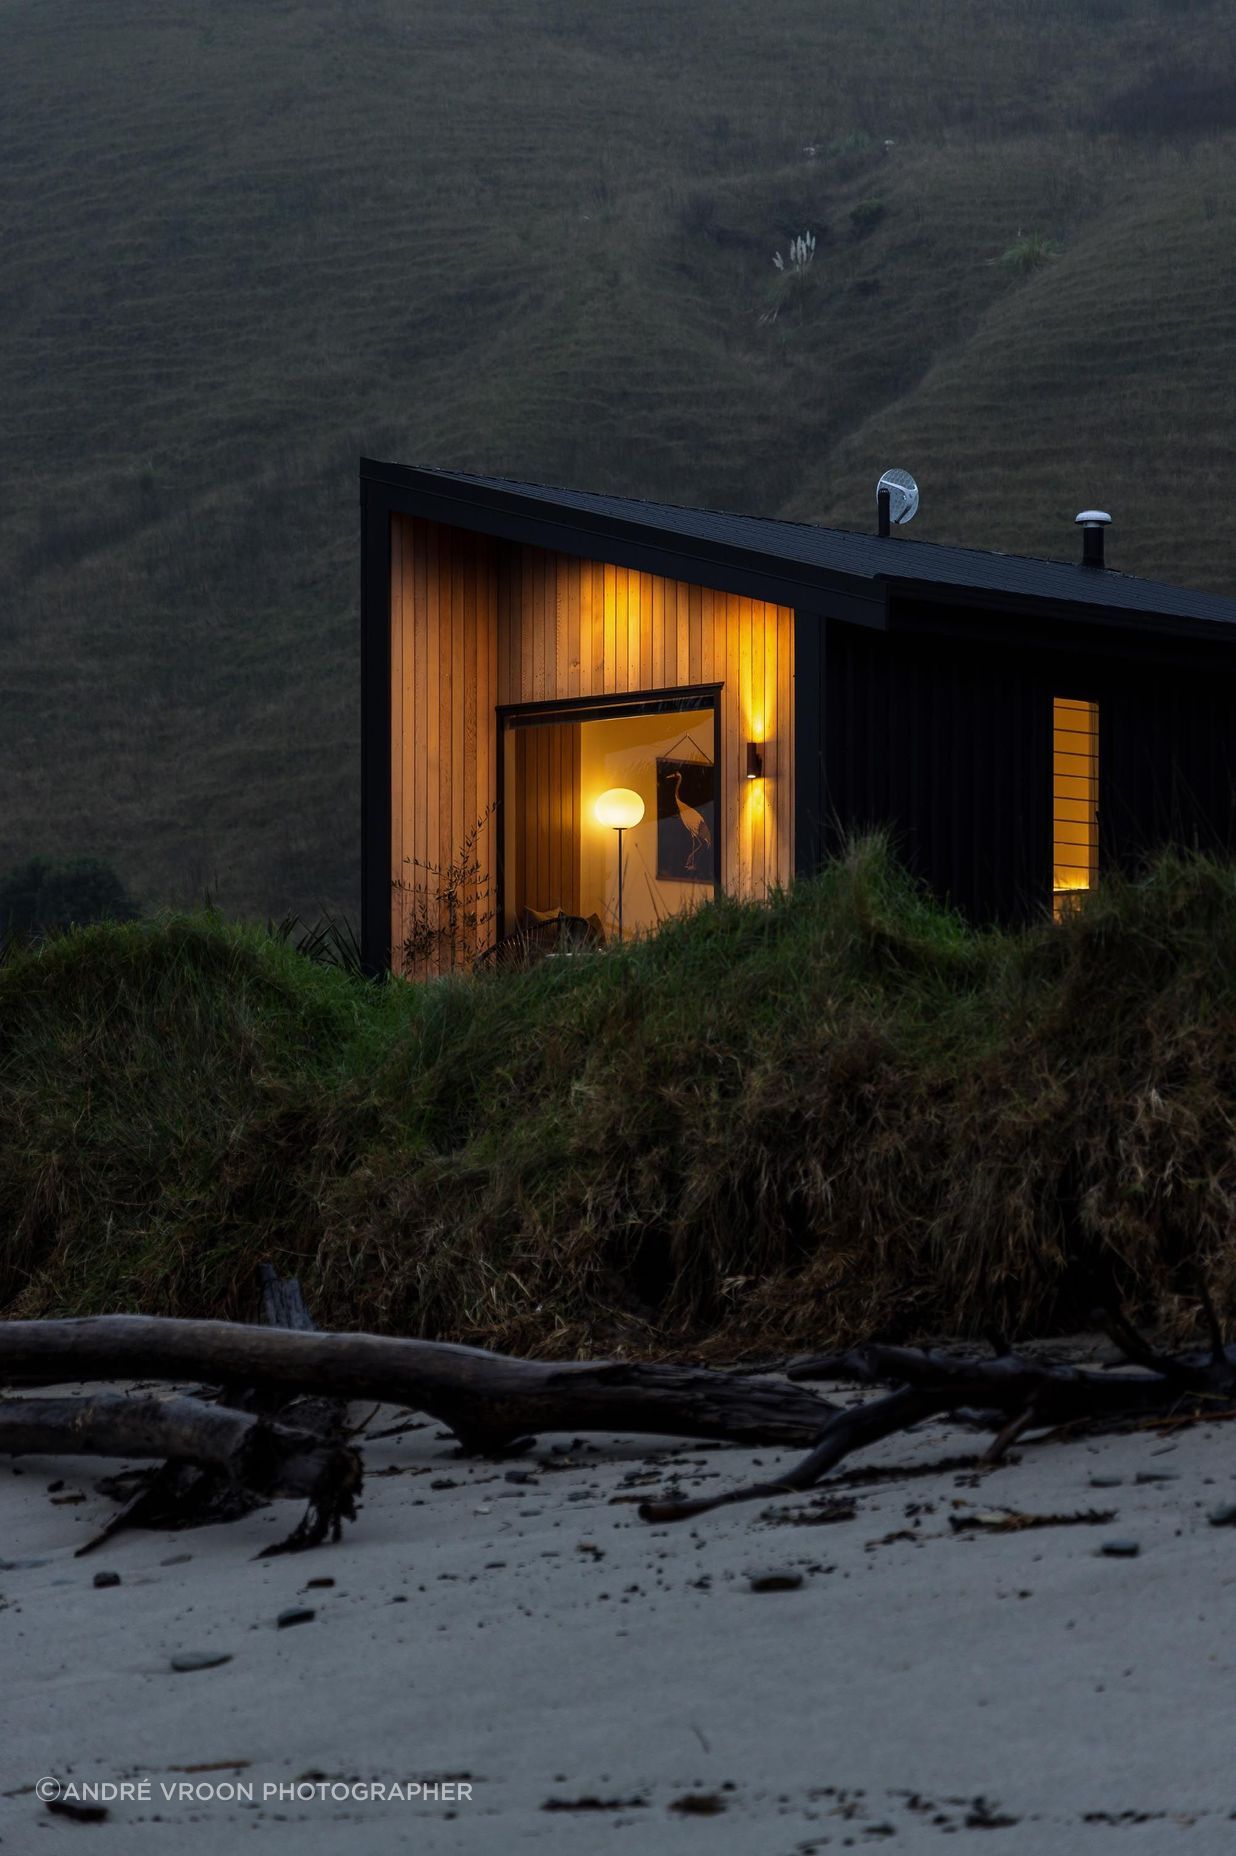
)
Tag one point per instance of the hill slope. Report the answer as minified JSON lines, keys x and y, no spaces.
{"x":245,"y":243}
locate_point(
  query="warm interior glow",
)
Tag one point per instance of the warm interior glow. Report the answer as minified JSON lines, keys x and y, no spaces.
{"x":620,"y":808}
{"x":1075,"y":799}
{"x":563,"y":784}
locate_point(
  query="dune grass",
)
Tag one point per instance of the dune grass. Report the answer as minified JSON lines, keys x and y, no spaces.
{"x":772,"y":1126}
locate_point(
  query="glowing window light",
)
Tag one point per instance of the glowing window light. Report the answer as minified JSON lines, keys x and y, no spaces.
{"x":1075,"y":800}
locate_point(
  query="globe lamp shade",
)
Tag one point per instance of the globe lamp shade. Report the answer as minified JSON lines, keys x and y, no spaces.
{"x":619,"y":808}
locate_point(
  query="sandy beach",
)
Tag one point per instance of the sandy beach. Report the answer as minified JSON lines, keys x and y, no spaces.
{"x":573,"y":1679}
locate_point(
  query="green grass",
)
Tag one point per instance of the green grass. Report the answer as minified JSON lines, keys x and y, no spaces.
{"x":782,"y":1125}
{"x":244,"y":244}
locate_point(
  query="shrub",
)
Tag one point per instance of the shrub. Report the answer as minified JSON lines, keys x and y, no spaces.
{"x":331,"y":941}
{"x":448,"y":909}
{"x":856,"y":142}
{"x":1029,"y":252}
{"x":40,"y":897}
{"x":850,"y":154}
{"x":866,"y":216}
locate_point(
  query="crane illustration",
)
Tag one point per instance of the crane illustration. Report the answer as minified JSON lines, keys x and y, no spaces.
{"x":696,"y":824}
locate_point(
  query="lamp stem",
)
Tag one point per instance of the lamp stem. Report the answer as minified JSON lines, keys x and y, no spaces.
{"x":619,"y":831}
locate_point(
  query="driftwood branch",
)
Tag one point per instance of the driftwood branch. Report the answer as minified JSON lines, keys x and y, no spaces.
{"x":187,"y":1493}
{"x":254,"y":1454}
{"x":845,"y":1431}
{"x":1027,"y":1394}
{"x":282,"y":1304}
{"x":487,"y":1399}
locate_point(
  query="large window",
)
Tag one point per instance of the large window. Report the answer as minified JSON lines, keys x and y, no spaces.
{"x":1075,"y":800}
{"x":585,"y":785}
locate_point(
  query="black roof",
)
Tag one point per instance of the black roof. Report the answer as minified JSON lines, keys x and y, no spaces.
{"x":887,"y":563}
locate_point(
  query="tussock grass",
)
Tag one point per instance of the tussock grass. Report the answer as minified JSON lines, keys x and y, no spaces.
{"x":840,"y":1112}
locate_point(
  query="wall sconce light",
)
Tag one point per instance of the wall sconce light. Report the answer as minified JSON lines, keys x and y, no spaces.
{"x":620,"y":809}
{"x":755,"y":761}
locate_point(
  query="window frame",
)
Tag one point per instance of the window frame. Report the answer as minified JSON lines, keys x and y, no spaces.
{"x":1060,"y":900}
{"x":609,"y":707}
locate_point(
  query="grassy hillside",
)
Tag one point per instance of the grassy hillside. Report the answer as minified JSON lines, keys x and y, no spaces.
{"x":243,"y":243}
{"x":773,"y":1126}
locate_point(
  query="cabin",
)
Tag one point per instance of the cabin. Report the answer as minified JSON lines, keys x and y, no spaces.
{"x":585,"y":714}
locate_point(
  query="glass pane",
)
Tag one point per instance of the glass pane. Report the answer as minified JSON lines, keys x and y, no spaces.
{"x":561,"y":854}
{"x":1075,"y":799}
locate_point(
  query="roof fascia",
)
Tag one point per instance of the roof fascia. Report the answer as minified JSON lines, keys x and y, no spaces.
{"x":951,"y":608}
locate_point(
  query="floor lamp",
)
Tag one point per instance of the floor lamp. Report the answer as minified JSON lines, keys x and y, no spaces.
{"x":620,"y":809}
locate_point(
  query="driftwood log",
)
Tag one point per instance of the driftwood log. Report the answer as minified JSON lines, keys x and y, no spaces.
{"x":1013,"y":1393}
{"x":185,"y":1490}
{"x":487,"y":1399}
{"x":294,"y":1384}
{"x":254,"y":1454}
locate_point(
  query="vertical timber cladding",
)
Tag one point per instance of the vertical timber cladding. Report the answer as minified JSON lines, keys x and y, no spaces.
{"x":948,"y":744}
{"x":444,"y":673}
{"x":477,"y":622}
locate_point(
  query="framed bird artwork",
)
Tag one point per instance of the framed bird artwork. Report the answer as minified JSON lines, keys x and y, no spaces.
{"x":686,"y":821}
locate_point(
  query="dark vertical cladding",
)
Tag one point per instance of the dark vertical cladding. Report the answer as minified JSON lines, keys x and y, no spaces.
{"x":1167,"y":765}
{"x":949,"y":746}
{"x":375,"y":729}
{"x":948,"y":742}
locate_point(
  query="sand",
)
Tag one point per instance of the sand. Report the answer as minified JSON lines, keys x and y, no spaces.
{"x":586,"y":1682}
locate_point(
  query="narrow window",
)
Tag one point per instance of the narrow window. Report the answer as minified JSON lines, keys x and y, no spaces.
{"x":1075,"y":800}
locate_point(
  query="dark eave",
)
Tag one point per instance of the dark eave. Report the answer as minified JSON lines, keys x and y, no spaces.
{"x":859,"y":577}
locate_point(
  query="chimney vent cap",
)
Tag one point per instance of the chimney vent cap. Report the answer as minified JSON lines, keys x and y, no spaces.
{"x":1093,"y":518}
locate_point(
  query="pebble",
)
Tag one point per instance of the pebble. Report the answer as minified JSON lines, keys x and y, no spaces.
{"x":1120,"y":1549}
{"x":1107,"y":1482}
{"x":521,"y":1475}
{"x":775,"y":1579}
{"x":296,"y":1614}
{"x":200,"y":1659}
{"x":177,"y":1559}
{"x":106,"y":1578}
{"x":1225,"y":1516}
{"x":75,"y":1812}
{"x":698,"y":1804}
